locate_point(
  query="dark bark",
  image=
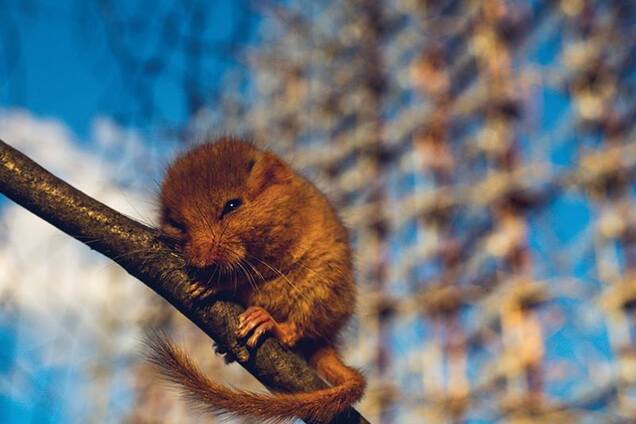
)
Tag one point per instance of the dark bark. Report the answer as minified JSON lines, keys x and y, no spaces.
{"x":139,"y":250}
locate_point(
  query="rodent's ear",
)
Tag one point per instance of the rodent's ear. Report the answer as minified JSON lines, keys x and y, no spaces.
{"x":267,"y":170}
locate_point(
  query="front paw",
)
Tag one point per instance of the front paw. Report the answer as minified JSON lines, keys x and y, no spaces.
{"x":257,"y":322}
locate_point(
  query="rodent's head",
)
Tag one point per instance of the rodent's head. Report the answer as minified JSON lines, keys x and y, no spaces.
{"x":228,"y":204}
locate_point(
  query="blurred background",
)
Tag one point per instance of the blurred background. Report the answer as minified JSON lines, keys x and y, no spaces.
{"x":482,"y":153}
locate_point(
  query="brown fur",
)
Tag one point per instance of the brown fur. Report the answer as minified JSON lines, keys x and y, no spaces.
{"x":283,"y":250}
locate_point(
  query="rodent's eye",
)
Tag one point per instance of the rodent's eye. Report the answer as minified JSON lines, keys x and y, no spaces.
{"x":230,"y":206}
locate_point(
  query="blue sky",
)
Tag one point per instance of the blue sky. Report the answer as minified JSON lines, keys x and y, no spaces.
{"x":57,"y":63}
{"x":65,"y":67}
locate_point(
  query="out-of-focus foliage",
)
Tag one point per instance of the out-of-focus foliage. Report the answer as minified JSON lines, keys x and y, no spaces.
{"x":482,"y":154}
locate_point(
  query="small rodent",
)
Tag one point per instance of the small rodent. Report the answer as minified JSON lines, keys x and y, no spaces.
{"x":249,"y":225}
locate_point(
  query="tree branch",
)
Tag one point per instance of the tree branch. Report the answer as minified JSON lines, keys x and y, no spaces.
{"x":139,"y":250}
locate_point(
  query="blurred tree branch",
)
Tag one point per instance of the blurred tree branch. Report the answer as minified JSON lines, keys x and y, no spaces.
{"x":139,"y":250}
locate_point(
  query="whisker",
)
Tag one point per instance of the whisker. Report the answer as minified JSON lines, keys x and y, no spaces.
{"x":276,"y":270}
{"x":247,"y":275}
{"x":295,"y":291}
{"x":211,"y":276}
{"x":237,"y":258}
{"x":223,"y":230}
{"x":307,"y":268}
{"x":256,"y":271}
{"x":203,"y":216}
{"x":132,"y":252}
{"x":251,"y":276}
{"x":297,"y":263}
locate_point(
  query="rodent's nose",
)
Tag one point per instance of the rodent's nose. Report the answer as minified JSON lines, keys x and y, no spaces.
{"x":202,"y":255}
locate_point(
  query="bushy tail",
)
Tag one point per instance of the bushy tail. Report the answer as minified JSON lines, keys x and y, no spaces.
{"x":318,"y":406}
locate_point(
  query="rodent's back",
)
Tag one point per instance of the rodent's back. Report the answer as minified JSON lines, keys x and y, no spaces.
{"x":317,"y":288}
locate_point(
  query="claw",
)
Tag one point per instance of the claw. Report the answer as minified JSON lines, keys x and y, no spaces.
{"x":250,"y":320}
{"x":258,"y":333}
{"x":257,"y":321}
